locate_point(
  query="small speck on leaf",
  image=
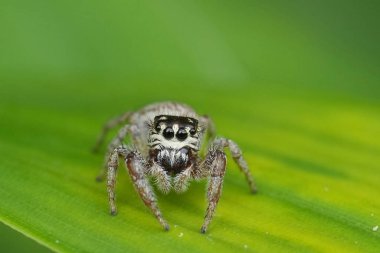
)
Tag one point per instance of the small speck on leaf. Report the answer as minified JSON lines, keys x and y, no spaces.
{"x":180,"y":234}
{"x":375,"y":228}
{"x":56,"y":241}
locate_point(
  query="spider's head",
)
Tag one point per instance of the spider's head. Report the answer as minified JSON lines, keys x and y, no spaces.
{"x":173,"y":139}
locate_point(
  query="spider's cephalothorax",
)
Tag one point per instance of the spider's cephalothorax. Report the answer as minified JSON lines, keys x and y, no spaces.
{"x":166,"y":147}
{"x":174,"y":142}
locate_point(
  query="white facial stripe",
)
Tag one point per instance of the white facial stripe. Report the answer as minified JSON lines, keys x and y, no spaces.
{"x":175,"y":128}
{"x":157,"y":139}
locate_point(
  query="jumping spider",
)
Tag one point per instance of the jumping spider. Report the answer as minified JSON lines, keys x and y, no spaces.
{"x":167,"y":138}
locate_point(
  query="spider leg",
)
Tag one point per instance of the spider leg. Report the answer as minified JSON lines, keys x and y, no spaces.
{"x":112,"y":123}
{"x":237,"y":155}
{"x":113,"y":164}
{"x":116,"y":142}
{"x":137,"y":167}
{"x":209,"y":124}
{"x":216,"y":162}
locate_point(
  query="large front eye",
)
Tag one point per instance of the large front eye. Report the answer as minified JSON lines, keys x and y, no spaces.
{"x":181,"y":134}
{"x":168,"y":133}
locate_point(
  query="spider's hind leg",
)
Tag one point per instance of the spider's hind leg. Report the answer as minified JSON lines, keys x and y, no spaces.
{"x":210,"y":133}
{"x":112,"y":123}
{"x":209,"y":124}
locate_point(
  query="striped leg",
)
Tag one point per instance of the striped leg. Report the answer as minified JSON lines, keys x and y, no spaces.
{"x":237,"y":155}
{"x":107,"y":127}
{"x":136,"y":168}
{"x":217,"y":170}
{"x":116,"y":142}
{"x":113,"y":164}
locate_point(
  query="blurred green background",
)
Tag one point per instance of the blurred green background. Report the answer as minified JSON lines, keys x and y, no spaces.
{"x":294,"y":82}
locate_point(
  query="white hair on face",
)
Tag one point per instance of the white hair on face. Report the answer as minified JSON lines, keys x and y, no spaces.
{"x":157,"y":140}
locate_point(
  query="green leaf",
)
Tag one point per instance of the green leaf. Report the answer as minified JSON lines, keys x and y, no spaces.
{"x":315,"y":166}
{"x":295,"y":88}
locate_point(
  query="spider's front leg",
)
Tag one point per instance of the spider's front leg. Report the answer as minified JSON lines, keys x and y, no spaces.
{"x":215,"y":165}
{"x":216,"y":162}
{"x":237,"y":155}
{"x":137,"y":167}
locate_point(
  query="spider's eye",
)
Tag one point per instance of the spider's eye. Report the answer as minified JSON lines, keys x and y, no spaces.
{"x":193,"y":131}
{"x":157,"y":128}
{"x":168,"y":133}
{"x":181,"y":134}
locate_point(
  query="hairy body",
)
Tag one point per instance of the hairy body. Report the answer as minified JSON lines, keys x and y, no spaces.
{"x":166,"y":143}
